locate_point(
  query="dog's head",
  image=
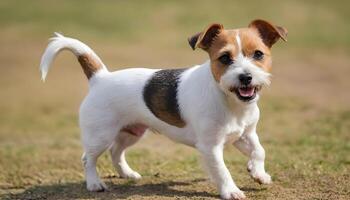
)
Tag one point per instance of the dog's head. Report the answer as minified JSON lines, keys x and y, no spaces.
{"x":240,"y":58}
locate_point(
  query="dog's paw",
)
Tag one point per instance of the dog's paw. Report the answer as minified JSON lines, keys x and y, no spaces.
{"x":97,"y":186}
{"x":261,"y":177}
{"x":235,"y":194}
{"x":131,"y":175}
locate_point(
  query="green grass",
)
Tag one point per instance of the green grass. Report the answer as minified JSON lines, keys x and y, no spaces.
{"x":310,"y":24}
{"x":309,"y":158}
{"x":305,"y":118}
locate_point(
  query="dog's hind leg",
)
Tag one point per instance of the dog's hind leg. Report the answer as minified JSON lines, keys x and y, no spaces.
{"x":96,"y":139}
{"x":117,"y":150}
{"x":93,"y":182}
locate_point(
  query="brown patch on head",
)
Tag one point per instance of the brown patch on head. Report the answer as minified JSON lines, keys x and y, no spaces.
{"x":224,"y":44}
{"x":268,"y":32}
{"x":89,"y":64}
{"x":205,"y":38}
{"x":217,"y":41}
{"x":213,"y":40}
{"x":252,"y":42}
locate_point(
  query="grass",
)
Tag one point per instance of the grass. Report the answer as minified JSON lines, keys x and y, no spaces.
{"x":305,"y":118}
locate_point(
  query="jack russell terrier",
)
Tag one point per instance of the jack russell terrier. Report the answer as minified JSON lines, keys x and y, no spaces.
{"x":204,"y":106}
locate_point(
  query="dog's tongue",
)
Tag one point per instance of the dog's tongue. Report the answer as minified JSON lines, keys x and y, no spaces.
{"x":246,"y":92}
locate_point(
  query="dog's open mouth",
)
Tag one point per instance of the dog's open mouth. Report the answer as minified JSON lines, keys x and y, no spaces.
{"x":246,"y":92}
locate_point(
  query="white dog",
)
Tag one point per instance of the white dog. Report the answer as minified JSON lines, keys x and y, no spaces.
{"x":205,"y":106}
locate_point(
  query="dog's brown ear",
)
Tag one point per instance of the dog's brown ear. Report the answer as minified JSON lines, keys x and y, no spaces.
{"x":268,"y":32}
{"x":204,"y":39}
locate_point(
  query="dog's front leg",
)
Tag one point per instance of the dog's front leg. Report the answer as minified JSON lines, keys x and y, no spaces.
{"x":249,"y":145}
{"x":218,"y":172}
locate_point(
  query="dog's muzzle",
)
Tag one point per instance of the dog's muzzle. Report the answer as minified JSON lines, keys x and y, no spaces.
{"x":246,"y":91}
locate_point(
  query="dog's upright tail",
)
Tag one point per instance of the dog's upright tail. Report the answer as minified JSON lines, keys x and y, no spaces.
{"x":87,"y":58}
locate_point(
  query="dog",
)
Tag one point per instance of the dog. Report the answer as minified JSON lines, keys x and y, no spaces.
{"x":205,"y":106}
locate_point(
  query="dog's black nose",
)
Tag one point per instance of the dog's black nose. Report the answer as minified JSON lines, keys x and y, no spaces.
{"x":245,"y":78}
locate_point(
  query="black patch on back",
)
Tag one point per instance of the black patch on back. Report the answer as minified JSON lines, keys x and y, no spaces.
{"x":160,"y":96}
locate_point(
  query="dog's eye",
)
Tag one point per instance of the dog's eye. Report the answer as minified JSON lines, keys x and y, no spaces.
{"x":226,"y":59}
{"x":258,"y":55}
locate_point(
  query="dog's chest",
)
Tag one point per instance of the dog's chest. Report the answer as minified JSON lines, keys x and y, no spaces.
{"x":234,"y":130}
{"x":236,"y":126}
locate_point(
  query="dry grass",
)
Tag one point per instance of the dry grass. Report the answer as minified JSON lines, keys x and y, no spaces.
{"x":305,"y":114}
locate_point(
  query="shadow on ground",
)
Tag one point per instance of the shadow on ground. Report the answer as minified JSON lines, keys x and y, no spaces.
{"x":116,"y":191}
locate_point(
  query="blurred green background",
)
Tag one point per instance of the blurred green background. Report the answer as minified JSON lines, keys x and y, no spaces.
{"x":312,"y":24}
{"x":305,"y":113}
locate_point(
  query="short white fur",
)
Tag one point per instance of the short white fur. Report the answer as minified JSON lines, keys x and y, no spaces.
{"x":212,"y":117}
